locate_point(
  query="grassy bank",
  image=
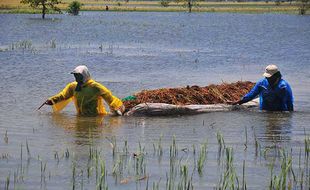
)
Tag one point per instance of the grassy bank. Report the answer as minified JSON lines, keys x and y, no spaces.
{"x":14,"y":6}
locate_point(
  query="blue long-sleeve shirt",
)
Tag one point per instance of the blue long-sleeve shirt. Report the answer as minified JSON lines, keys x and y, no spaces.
{"x":279,"y":98}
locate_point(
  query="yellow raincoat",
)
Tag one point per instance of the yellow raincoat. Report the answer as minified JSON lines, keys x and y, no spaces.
{"x":88,"y":101}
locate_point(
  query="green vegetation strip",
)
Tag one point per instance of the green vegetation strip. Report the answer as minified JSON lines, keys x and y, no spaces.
{"x":14,"y":6}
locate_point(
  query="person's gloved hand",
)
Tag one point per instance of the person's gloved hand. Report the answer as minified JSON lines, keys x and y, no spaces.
{"x":235,"y":102}
{"x":48,"y":102}
{"x":120,"y":111}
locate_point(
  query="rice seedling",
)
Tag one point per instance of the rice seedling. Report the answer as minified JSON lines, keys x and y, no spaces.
{"x":28,"y":151}
{"x":67,"y":154}
{"x":102,"y":183}
{"x":220,"y":140}
{"x":73,"y":176}
{"x":113,"y":145}
{"x":7,"y":182}
{"x":229,"y":178}
{"x":246,"y":138}
{"x":257,"y":145}
{"x":159,"y":145}
{"x":56,"y":156}
{"x":202,"y":158}
{"x":185,"y":182}
{"x":156,"y":185}
{"x":243,"y":176}
{"x":43,"y":168}
{"x":125,"y":148}
{"x":139,"y":162}
{"x":280,"y":181}
{"x":6,"y":138}
{"x":21,"y":156}
{"x":307,"y":147}
{"x":173,"y":148}
{"x":82,"y":182}
{"x":116,"y":166}
{"x":53,"y":43}
{"x":4,"y":156}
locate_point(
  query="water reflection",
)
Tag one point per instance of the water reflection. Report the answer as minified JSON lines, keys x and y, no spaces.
{"x":86,"y":128}
{"x":278,"y":126}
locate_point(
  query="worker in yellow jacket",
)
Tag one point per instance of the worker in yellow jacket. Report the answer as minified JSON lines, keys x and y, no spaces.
{"x":87,"y":95}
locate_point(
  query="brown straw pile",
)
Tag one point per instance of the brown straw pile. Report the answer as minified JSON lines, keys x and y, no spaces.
{"x":212,"y":94}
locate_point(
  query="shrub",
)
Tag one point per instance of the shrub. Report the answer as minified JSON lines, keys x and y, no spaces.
{"x":164,"y":3}
{"x":74,"y":7}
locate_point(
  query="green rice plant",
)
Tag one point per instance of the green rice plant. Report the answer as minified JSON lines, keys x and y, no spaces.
{"x":73,"y":176}
{"x":113,"y":145}
{"x":23,"y":45}
{"x":243,"y":176}
{"x":173,"y":148}
{"x":229,"y":178}
{"x":82,"y":182}
{"x":257,"y":145}
{"x":307,"y":147}
{"x":56,"y":156}
{"x":246,"y":138}
{"x":185,"y":181}
{"x":271,"y":167}
{"x":156,"y":185}
{"x":102,"y":184}
{"x":6,"y":138}
{"x":90,"y":153}
{"x":159,"y":145}
{"x":21,"y":156}
{"x":28,"y":151}
{"x":53,"y":43}
{"x":116,"y":169}
{"x":43,"y":169}
{"x":280,"y":181}
{"x":7,"y":182}
{"x":140,"y":164}
{"x":67,"y":154}
{"x":89,"y":170}
{"x":125,"y":149}
{"x":202,"y":158}
{"x":220,"y":140}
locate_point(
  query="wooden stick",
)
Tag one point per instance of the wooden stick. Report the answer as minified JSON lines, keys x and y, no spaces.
{"x":41,"y":105}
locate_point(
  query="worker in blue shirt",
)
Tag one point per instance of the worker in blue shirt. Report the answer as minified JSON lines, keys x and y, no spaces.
{"x":275,"y":94}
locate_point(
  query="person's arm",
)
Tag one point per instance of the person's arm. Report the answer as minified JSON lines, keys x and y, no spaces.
{"x":251,"y":95}
{"x":289,"y":98}
{"x":65,"y":94}
{"x":115,"y":103}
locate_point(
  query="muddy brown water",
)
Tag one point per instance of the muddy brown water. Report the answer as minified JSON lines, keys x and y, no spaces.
{"x":129,"y":52}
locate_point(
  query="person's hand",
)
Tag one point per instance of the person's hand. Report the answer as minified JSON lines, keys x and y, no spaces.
{"x":234,"y":102}
{"x":48,"y":102}
{"x":120,"y":111}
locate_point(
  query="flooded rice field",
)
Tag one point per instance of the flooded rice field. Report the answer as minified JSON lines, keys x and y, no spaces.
{"x":129,"y":52}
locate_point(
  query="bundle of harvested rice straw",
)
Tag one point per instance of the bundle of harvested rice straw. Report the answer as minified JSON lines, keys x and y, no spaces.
{"x":212,"y":94}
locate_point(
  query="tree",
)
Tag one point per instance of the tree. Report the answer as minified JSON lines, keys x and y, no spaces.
{"x":189,"y":3}
{"x":304,"y":5}
{"x":74,"y":8}
{"x":45,"y":5}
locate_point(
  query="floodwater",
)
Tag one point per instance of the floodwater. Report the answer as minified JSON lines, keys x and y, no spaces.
{"x":129,"y":52}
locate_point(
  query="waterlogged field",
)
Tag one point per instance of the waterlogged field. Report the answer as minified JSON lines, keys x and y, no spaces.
{"x":129,"y":52}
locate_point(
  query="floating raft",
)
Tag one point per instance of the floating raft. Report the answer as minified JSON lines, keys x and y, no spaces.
{"x":189,"y":100}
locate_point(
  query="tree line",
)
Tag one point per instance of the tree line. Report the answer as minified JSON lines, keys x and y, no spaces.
{"x":75,"y":6}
